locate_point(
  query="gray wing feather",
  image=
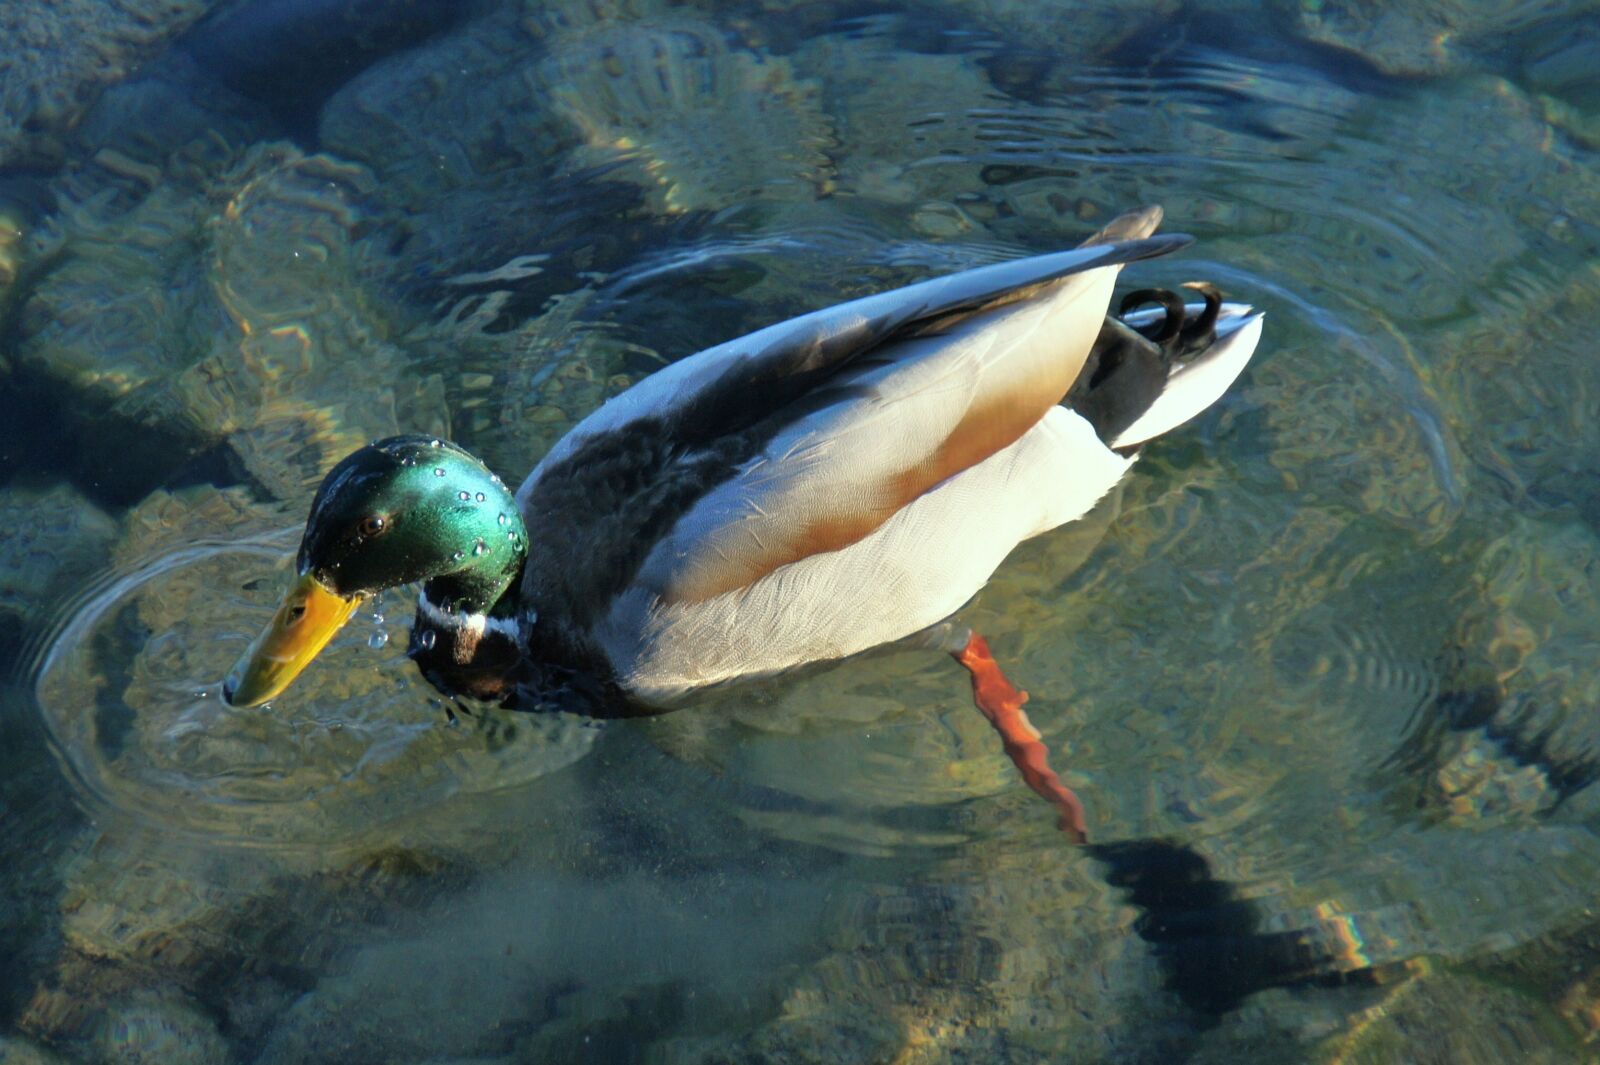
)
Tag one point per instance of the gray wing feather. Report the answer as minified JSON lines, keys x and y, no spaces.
{"x":752,"y":370}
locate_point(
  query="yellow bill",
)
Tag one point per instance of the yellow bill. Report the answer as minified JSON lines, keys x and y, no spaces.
{"x":306,"y":620}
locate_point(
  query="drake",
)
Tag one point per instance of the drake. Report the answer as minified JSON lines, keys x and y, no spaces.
{"x":822,"y":486}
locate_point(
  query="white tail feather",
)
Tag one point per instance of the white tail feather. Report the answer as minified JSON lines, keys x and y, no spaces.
{"x":1194,"y":386}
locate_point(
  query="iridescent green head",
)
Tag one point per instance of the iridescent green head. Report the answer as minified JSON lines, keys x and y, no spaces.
{"x":401,"y":510}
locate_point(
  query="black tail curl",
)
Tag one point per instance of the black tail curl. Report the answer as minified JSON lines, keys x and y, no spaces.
{"x":1175,"y":333}
{"x":1129,"y":365}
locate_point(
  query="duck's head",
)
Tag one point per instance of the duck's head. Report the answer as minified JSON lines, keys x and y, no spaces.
{"x":401,"y":510}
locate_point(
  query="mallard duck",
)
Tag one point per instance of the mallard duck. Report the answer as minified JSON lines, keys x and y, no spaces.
{"x":827,"y":484}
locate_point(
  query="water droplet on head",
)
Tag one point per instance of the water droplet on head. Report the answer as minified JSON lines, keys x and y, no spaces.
{"x":438,"y":471}
{"x":458,"y":556}
{"x":426,"y":640}
{"x":481,"y":497}
{"x":511,"y":535}
{"x":463,"y":496}
{"x":377,"y":640}
{"x":433,"y":443}
{"x":480,"y":548}
{"x":501,"y":519}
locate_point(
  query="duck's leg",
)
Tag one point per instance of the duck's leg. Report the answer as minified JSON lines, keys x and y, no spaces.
{"x":1001,"y":703}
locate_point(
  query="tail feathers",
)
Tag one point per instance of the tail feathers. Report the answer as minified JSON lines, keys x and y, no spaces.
{"x":1130,"y":225}
{"x":1194,"y":385}
{"x":1113,"y":395}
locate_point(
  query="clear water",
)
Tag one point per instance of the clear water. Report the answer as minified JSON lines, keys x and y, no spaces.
{"x":1322,"y":672}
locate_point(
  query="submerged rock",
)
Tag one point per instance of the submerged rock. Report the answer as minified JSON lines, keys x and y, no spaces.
{"x":1518,"y":366}
{"x":1441,"y":1017}
{"x":151,"y":1029}
{"x":514,"y":392}
{"x":169,"y":123}
{"x":606,"y":127}
{"x":59,"y":55}
{"x":290,"y":56}
{"x":1562,"y":64}
{"x":15,"y":1050}
{"x":1531,"y":722}
{"x":233,"y":318}
{"x":675,"y":918}
{"x":1559,"y":971}
{"x":464,"y":189}
{"x":11,"y":254}
{"x":1078,"y":34}
{"x":53,"y":537}
{"x":697,"y":122}
{"x":159,"y":1030}
{"x":1423,"y":40}
{"x":907,"y":124}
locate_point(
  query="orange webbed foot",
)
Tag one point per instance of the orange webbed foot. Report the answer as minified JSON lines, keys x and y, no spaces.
{"x":1001,"y":703}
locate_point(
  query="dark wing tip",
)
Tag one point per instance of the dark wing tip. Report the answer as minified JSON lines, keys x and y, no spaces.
{"x":1130,"y":251}
{"x":1122,"y":251}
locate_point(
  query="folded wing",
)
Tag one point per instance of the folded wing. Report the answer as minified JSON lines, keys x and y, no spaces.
{"x":881,"y":432}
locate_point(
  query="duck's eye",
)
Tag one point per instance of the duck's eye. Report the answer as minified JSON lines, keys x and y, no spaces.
{"x":372,"y":525}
